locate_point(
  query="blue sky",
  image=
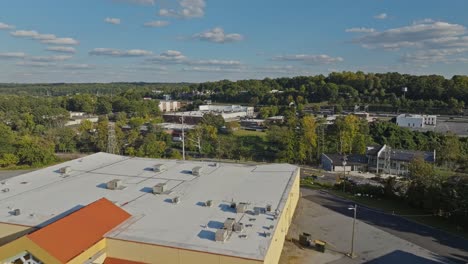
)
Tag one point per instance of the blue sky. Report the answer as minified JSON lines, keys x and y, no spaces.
{"x":204,"y":40}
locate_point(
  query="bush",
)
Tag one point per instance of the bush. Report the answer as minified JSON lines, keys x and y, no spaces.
{"x":8,"y":160}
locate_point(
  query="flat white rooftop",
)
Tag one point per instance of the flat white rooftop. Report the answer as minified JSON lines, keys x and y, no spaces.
{"x":46,"y":194}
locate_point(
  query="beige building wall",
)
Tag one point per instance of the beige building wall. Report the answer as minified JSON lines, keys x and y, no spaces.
{"x":10,"y":232}
{"x":155,"y":254}
{"x":25,"y":244}
{"x":276,"y":247}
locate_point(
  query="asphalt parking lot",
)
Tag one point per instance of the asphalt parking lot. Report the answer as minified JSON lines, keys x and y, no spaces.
{"x":373,"y":243}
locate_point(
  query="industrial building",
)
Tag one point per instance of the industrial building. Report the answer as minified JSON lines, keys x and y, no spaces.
{"x":110,"y":209}
{"x":378,"y":159}
{"x":416,"y":121}
{"x":228,"y":112}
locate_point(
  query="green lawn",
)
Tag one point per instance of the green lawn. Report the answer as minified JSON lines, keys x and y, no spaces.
{"x":245,"y":133}
{"x":398,"y":208}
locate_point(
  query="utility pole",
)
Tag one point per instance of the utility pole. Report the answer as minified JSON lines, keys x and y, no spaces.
{"x":183,"y":138}
{"x":351,"y":253}
{"x":111,"y":139}
{"x":345,"y":159}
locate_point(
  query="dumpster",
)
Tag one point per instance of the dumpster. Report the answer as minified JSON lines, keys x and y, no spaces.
{"x":320,"y":245}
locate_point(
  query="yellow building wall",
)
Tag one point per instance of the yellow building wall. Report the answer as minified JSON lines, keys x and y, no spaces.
{"x":90,"y":252}
{"x":25,"y":244}
{"x":276,"y":247}
{"x":165,"y":255}
{"x":9,"y":232}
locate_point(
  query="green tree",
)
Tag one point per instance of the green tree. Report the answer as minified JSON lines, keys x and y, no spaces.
{"x":35,"y":151}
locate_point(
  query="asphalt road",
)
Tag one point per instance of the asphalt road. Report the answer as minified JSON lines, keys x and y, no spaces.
{"x":453,"y":248}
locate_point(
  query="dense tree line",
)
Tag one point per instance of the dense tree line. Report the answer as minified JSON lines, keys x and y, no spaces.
{"x":381,"y":91}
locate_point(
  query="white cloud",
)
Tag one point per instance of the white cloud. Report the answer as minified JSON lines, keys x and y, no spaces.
{"x":360,"y":30}
{"x":381,"y":16}
{"x":176,"y":57}
{"x":120,"y":53}
{"x":188,"y":9}
{"x":110,"y":20}
{"x":211,"y":69}
{"x":35,"y":64}
{"x":12,"y":55}
{"x":157,"y":23}
{"x":218,"y":35}
{"x":415,"y":35}
{"x":309,"y":59}
{"x":44,"y":38}
{"x":61,"y":49}
{"x":49,"y":58}
{"x":425,"y":42}
{"x":77,"y":66}
{"x":226,"y":63}
{"x":4,"y":26}
{"x":170,"y":56}
{"x":61,"y":41}
{"x":138,"y":2}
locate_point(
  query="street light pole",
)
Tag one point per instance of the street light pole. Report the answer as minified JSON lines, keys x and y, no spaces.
{"x":344,"y":172}
{"x":351,"y":254}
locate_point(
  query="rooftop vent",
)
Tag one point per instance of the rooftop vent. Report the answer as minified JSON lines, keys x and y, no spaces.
{"x":6,"y":190}
{"x":16,"y":212}
{"x":221,"y":235}
{"x":176,"y":200}
{"x":159,"y":168}
{"x":209,"y":203}
{"x":229,"y":223}
{"x":241,"y":208}
{"x":268,"y":208}
{"x":238,"y":227}
{"x":159,"y":188}
{"x":197,"y":171}
{"x":115,"y":184}
{"x":65,"y":170}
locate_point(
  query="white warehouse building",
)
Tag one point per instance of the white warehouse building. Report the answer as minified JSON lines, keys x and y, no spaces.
{"x":416,"y":121}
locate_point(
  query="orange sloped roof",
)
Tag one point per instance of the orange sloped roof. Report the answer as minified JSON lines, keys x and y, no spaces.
{"x":120,"y":261}
{"x":70,"y":236}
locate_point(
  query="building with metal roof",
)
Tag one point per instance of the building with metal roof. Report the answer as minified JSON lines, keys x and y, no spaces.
{"x":113,"y":209}
{"x":378,"y":159}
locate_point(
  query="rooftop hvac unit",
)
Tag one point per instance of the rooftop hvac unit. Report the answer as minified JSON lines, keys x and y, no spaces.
{"x":114,"y":184}
{"x":241,"y":208}
{"x":65,"y":170}
{"x":229,"y":223}
{"x":176,"y":200}
{"x":197,"y":171}
{"x":159,"y":188}
{"x":221,"y":235}
{"x":268,"y":208}
{"x":159,"y":168}
{"x":238,"y":227}
{"x":16,"y":212}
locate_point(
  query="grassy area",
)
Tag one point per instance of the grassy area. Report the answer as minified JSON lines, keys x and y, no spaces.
{"x":245,"y":133}
{"x":396,"y":207}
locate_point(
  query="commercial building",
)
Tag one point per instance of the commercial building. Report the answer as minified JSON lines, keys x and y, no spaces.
{"x":169,"y":106}
{"x":106,"y":208}
{"x":227,"y":112}
{"x":241,"y":111}
{"x":416,"y":121}
{"x":378,"y":159}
